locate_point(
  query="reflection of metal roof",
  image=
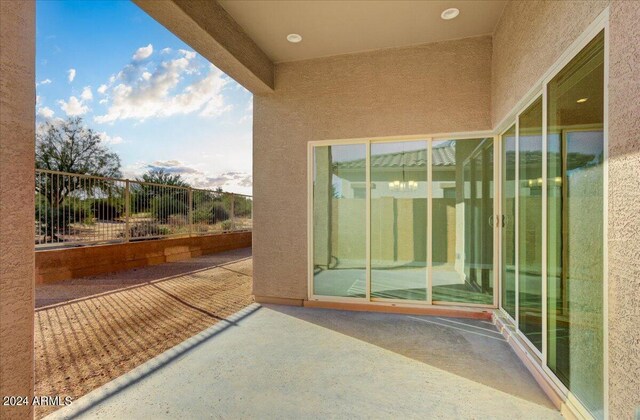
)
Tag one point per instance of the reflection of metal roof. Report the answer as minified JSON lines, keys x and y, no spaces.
{"x":446,"y":156}
{"x":442,"y":156}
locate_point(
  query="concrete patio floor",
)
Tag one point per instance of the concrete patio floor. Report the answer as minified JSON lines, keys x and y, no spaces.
{"x":287,"y":362}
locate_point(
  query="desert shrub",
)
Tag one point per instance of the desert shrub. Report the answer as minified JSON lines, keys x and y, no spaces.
{"x":242,"y":206}
{"x":211,"y":213}
{"x":177,"y":220}
{"x":144,"y":230}
{"x":54,"y":221}
{"x":167,"y":205}
{"x":227,"y":225}
{"x":108,"y":208}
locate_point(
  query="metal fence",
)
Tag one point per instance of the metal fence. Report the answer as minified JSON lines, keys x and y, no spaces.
{"x":73,"y":209}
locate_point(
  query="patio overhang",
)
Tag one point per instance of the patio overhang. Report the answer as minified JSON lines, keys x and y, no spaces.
{"x":209,"y":29}
{"x":411,"y":83}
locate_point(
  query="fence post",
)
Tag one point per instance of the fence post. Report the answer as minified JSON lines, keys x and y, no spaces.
{"x":190,"y":210}
{"x":127,"y":211}
{"x":233,"y":213}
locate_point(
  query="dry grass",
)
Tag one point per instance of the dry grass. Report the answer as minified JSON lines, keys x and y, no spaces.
{"x":83,"y":344}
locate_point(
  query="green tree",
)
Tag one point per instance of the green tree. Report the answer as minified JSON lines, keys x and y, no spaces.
{"x":144,"y":195}
{"x":70,"y":146}
{"x":164,"y":177}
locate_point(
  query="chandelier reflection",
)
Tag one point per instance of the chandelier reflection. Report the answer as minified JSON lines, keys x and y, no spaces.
{"x":403,"y":185}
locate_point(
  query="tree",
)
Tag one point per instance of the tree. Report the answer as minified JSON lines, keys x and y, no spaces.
{"x":164,"y":177}
{"x":145,"y":195}
{"x":70,"y":146}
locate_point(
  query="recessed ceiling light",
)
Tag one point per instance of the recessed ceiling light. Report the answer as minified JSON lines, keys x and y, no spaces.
{"x":582,"y":100}
{"x":294,"y":38}
{"x":450,"y":13}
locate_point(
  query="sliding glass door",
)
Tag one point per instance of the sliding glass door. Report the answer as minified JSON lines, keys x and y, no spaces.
{"x":405,"y":221}
{"x":339,"y":227}
{"x":529,"y":221}
{"x":399,"y":220}
{"x":552,"y":240}
{"x":575,"y":256}
{"x":462,"y":252}
{"x":508,"y":222}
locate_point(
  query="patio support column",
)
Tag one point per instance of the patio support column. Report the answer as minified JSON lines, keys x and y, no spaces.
{"x":17,"y":133}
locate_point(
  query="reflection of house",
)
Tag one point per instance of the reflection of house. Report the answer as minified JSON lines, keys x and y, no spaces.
{"x":462,"y":185}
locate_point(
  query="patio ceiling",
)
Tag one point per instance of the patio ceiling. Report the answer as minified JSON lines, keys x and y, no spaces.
{"x":331,"y":28}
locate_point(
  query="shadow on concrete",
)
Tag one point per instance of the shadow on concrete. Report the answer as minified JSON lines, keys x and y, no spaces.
{"x":84,"y":343}
{"x":469,"y":348}
{"x":183,"y":349}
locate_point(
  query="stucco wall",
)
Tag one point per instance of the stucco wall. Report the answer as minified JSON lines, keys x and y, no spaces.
{"x":624,"y":209}
{"x":529,"y":38}
{"x":430,"y":88}
{"x":17,"y":134}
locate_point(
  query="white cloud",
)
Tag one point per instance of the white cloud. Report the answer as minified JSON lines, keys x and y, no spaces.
{"x":189,"y":55}
{"x":165,"y":51}
{"x":142,"y":53}
{"x":197,"y":178}
{"x":86,"y":94}
{"x":71,"y":74}
{"x":141,"y":92}
{"x":248,"y":116}
{"x":102,"y":89}
{"x":43,"y":82}
{"x":73,"y":107}
{"x":107,"y":139}
{"x":45,"y":112}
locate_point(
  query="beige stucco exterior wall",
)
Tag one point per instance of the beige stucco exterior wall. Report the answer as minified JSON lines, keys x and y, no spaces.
{"x":17,"y":125}
{"x":529,"y":38}
{"x":624,"y":209}
{"x":432,"y":88}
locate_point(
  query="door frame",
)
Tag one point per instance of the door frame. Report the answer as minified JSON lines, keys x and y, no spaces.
{"x":368,"y":299}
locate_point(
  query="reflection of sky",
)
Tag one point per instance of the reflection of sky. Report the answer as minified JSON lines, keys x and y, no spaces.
{"x":530,"y":143}
{"x":585,"y":142}
{"x":582,"y":142}
{"x":347,"y":152}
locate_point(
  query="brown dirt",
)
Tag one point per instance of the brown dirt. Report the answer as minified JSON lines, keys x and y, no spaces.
{"x":83,"y":344}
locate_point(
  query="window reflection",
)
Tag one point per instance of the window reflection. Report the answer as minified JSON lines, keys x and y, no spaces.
{"x":509,"y":221}
{"x":462,"y":189}
{"x":399,"y":220}
{"x":530,"y":223}
{"x":575,"y":215}
{"x":339,"y":229}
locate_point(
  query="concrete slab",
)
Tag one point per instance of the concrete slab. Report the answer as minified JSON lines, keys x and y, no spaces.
{"x":276,"y":362}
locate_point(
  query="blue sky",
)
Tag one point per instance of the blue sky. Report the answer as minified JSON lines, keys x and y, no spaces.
{"x":156,"y":101}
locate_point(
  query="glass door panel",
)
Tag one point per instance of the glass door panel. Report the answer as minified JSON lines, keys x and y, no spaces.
{"x":399,"y":220}
{"x":575,"y":124}
{"x":339,"y":227}
{"x":530,"y":223}
{"x":462,"y":206}
{"x":508,"y":269}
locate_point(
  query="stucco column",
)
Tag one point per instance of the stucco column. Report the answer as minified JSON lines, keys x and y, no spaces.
{"x":17,"y":133}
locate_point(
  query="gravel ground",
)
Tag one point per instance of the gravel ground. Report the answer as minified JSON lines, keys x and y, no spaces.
{"x":97,"y":328}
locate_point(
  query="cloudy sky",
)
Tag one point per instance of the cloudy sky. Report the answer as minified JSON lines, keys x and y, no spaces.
{"x":157,"y":103}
